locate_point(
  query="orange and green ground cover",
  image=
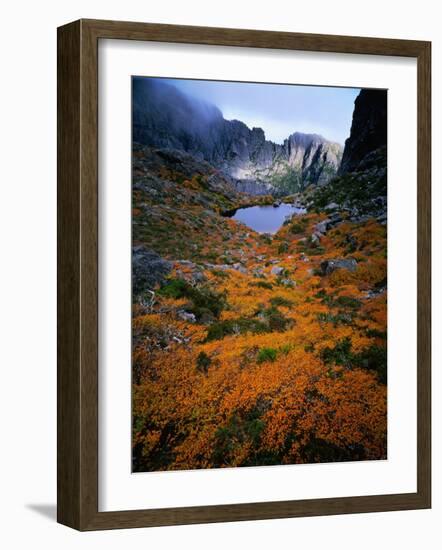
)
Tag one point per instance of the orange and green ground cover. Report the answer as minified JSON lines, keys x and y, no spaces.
{"x":248,"y":354}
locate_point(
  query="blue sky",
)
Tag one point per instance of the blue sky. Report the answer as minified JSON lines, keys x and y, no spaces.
{"x":279,"y":109}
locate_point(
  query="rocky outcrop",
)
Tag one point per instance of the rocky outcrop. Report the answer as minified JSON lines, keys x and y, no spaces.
{"x":148,"y":269}
{"x":166,"y":118}
{"x":368,"y":130}
{"x":360,"y":188}
{"x":329,"y":266}
{"x":148,"y":162}
{"x":253,"y":187}
{"x":315,"y":158}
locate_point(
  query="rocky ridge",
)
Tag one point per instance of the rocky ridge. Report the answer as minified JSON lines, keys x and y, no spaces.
{"x":166,"y":118}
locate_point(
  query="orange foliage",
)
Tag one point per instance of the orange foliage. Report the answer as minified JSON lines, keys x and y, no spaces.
{"x":202,"y":402}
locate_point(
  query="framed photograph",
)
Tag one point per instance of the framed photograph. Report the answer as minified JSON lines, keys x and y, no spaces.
{"x":234,"y":209}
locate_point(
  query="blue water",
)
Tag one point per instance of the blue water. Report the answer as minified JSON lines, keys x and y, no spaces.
{"x":266,"y":219}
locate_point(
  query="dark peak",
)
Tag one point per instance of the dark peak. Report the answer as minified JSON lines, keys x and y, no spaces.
{"x":258,"y":132}
{"x":238,"y":124}
{"x":373,"y":98}
{"x":368,"y":129}
{"x":159,"y":92}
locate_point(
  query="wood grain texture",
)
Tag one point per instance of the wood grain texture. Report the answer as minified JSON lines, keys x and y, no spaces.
{"x":68,"y":277}
{"x":424,"y":275}
{"x":253,"y":38}
{"x":78,"y":274}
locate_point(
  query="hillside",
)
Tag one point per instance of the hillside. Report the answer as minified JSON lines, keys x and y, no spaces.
{"x":249,"y":348}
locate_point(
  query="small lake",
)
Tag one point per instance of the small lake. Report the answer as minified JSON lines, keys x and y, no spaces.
{"x":266,"y":219}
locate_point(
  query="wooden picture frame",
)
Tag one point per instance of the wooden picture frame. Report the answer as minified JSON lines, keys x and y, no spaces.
{"x":78,"y":274}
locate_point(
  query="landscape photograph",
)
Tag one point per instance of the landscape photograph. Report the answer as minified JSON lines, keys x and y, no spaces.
{"x":259,"y":274}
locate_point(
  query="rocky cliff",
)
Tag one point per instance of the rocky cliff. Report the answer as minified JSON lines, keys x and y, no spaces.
{"x":361,"y":184}
{"x":164,"y":117}
{"x":368,"y":130}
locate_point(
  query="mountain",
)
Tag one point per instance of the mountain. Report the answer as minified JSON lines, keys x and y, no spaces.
{"x":368,"y":130}
{"x":361,"y":184}
{"x":166,"y":118}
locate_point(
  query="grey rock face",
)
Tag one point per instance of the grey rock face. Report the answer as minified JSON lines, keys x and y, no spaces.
{"x":253,"y":187}
{"x":192,"y":273}
{"x":321,"y":227}
{"x":148,"y":269}
{"x":277,"y":270}
{"x":331,"y":206}
{"x":186,"y":316}
{"x":166,"y":118}
{"x":328,"y":266}
{"x":382,"y":219}
{"x":315,"y":239}
{"x":333,"y":220}
{"x":239,"y":267}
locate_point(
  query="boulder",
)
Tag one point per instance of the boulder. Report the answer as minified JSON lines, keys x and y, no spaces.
{"x":186,"y":316}
{"x":148,"y":269}
{"x":331,"y":206}
{"x":329,"y":266}
{"x":328,"y":223}
{"x":186,"y":263}
{"x":382,"y":219}
{"x":277,"y":270}
{"x":192,"y":272}
{"x":239,"y":267}
{"x":335,"y":218}
{"x":288,"y":283}
{"x":315,"y":238}
{"x":322,"y":227}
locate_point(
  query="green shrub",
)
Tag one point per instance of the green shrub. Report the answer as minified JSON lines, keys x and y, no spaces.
{"x":340,"y":318}
{"x":175,"y":288}
{"x":262,"y":284}
{"x":266,"y":354}
{"x":220,"y":273}
{"x":280,"y":301}
{"x":221,"y":329}
{"x":203,"y":362}
{"x":283,"y":247}
{"x":285,"y":349}
{"x":316,"y":251}
{"x":204,"y":299}
{"x":239,"y":429}
{"x":342,"y":302}
{"x":296,"y":228}
{"x":277,"y":321}
{"x":340,"y":354}
{"x":265,"y":238}
{"x":375,"y":333}
{"x":347,"y":302}
{"x":373,"y":358}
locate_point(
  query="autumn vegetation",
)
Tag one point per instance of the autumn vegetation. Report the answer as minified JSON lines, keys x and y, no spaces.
{"x":255,"y":366}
